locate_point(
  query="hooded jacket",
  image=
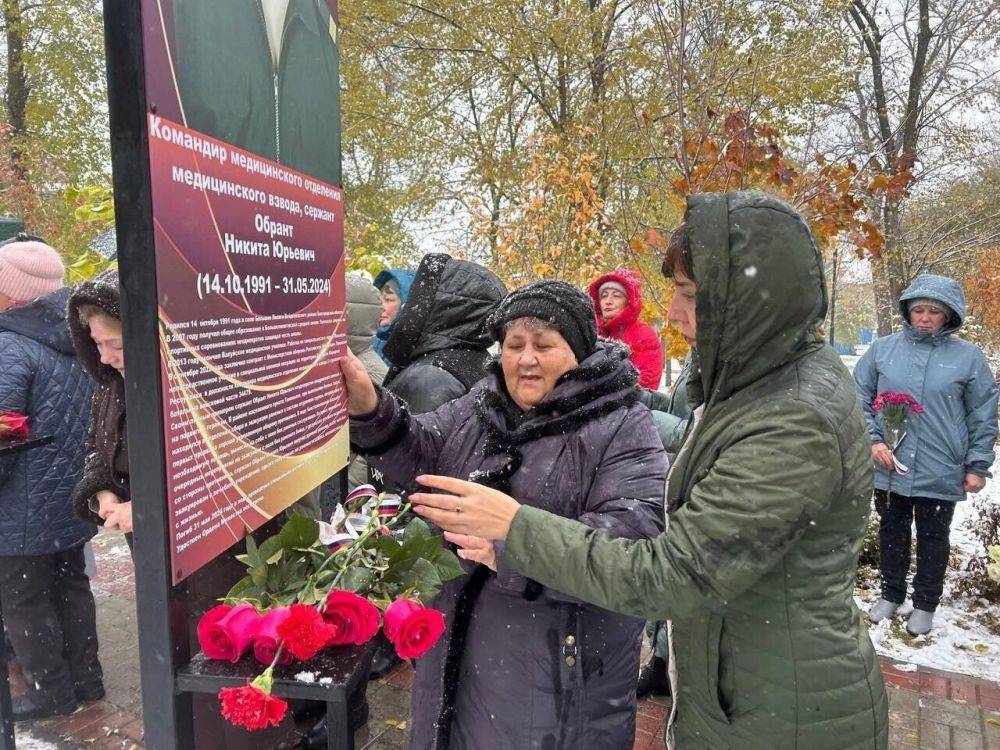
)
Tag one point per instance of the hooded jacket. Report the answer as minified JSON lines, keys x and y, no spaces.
{"x":539,"y":668}
{"x":768,"y":501}
{"x":647,"y":349}
{"x":363,"y":312}
{"x":951,"y":379}
{"x":403,"y":279}
{"x":671,"y":412}
{"x":438,"y":347}
{"x":41,"y":378}
{"x":106,"y":466}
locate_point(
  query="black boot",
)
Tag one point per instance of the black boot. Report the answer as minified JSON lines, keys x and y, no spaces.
{"x":653,"y":679}
{"x":28,"y":708}
{"x":385,"y":658}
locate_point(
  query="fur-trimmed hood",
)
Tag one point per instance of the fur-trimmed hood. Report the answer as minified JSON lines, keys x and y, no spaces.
{"x":603,"y":382}
{"x":101,"y":291}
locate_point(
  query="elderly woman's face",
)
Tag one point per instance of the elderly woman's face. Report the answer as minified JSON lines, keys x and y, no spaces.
{"x":390,"y":305}
{"x":927,"y":319}
{"x":534,"y":356}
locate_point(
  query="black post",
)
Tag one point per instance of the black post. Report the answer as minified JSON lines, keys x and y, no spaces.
{"x":6,"y":719}
{"x":163,"y":644}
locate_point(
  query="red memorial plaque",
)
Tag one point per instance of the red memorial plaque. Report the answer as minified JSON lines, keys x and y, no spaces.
{"x":244,"y":153}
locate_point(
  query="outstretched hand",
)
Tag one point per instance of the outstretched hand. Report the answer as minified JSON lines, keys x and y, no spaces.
{"x":467,"y":508}
{"x":362,"y":399}
{"x":474,"y":548}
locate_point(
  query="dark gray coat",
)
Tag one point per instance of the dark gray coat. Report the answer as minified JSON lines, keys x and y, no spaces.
{"x":539,"y":669}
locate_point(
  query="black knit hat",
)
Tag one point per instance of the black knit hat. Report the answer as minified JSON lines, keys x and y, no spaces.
{"x":564,"y":306}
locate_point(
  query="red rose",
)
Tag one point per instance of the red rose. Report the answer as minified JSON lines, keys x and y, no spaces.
{"x":266,"y":640}
{"x":304,"y":632}
{"x":225,"y":632}
{"x":412,"y":628}
{"x":352,"y":618}
{"x":252,"y":707}
{"x":13,"y":426}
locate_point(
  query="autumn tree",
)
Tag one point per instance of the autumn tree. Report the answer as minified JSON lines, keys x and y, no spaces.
{"x":928,"y":65}
{"x":53,"y":125}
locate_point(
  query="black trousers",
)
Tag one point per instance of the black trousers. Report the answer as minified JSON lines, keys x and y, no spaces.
{"x":50,"y":618}
{"x":896,"y":517}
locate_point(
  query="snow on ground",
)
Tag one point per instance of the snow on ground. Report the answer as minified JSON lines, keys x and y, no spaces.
{"x":25,"y":741}
{"x":960,"y":642}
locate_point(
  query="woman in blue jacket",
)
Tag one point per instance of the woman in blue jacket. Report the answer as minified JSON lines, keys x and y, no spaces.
{"x":948,"y":449}
{"x":393,"y":286}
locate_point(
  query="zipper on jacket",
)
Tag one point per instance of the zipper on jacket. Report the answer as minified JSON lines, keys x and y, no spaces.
{"x":274,"y":75}
{"x":277,"y":121}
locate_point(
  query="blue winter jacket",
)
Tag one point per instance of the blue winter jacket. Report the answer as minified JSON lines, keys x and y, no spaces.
{"x":404,"y":280}
{"x":40,"y":377}
{"x":952,"y":381}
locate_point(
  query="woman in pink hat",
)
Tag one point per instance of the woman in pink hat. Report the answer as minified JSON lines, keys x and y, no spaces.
{"x":48,"y":605}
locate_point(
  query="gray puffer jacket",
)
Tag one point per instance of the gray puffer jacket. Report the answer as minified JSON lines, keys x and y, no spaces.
{"x":951,"y":379}
{"x":539,"y":668}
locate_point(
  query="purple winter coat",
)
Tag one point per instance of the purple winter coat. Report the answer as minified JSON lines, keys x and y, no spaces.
{"x":539,"y":669}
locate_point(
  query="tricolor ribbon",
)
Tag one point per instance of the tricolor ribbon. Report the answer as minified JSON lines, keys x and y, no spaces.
{"x":345,"y":527}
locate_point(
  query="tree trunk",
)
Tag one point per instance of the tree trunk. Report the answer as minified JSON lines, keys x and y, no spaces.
{"x":888,"y":272}
{"x":16,"y":99}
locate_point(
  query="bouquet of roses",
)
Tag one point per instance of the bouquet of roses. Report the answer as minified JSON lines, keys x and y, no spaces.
{"x":896,"y":409}
{"x":315,"y":585}
{"x":13,"y":426}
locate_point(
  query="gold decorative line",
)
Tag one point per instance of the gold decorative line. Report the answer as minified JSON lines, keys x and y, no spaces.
{"x":246,"y":384}
{"x":171,"y":362}
{"x":190,"y":402}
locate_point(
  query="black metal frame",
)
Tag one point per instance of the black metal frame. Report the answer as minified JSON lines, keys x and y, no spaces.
{"x":163,"y":642}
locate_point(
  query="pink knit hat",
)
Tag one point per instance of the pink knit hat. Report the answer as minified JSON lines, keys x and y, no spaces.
{"x":29,"y":269}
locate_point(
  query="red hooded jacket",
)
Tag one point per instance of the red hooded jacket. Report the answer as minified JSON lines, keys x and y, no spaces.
{"x":647,"y":349}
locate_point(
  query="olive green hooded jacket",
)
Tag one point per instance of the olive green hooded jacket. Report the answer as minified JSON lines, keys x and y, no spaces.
{"x":768,"y":502}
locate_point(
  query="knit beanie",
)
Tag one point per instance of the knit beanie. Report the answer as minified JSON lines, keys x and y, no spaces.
{"x":928,"y":302}
{"x":612,"y":284}
{"x":29,"y":269}
{"x":560,"y":304}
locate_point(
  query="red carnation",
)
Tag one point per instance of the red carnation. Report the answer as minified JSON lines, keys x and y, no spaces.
{"x":252,"y":706}
{"x":225,"y":632}
{"x":352,"y":618}
{"x":304,"y":632}
{"x":13,"y":426}
{"x":266,"y":639}
{"x":413,"y":628}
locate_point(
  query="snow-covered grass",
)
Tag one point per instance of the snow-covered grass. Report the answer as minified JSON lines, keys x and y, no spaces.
{"x":965,"y":637}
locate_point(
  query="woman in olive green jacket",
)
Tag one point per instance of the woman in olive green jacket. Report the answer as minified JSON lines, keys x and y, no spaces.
{"x":768,"y":503}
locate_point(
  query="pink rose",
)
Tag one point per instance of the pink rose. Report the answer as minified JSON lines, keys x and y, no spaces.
{"x":412,"y":628}
{"x":352,"y":618}
{"x":225,"y":632}
{"x":266,"y":640}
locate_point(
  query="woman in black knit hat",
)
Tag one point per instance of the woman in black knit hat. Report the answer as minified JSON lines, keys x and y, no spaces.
{"x":557,"y":423}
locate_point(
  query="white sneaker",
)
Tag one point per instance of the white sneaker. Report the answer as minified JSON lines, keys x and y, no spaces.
{"x":882,"y":610}
{"x":919,"y":622}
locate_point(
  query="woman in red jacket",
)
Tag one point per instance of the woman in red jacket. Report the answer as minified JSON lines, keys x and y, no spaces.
{"x":617,"y":298}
